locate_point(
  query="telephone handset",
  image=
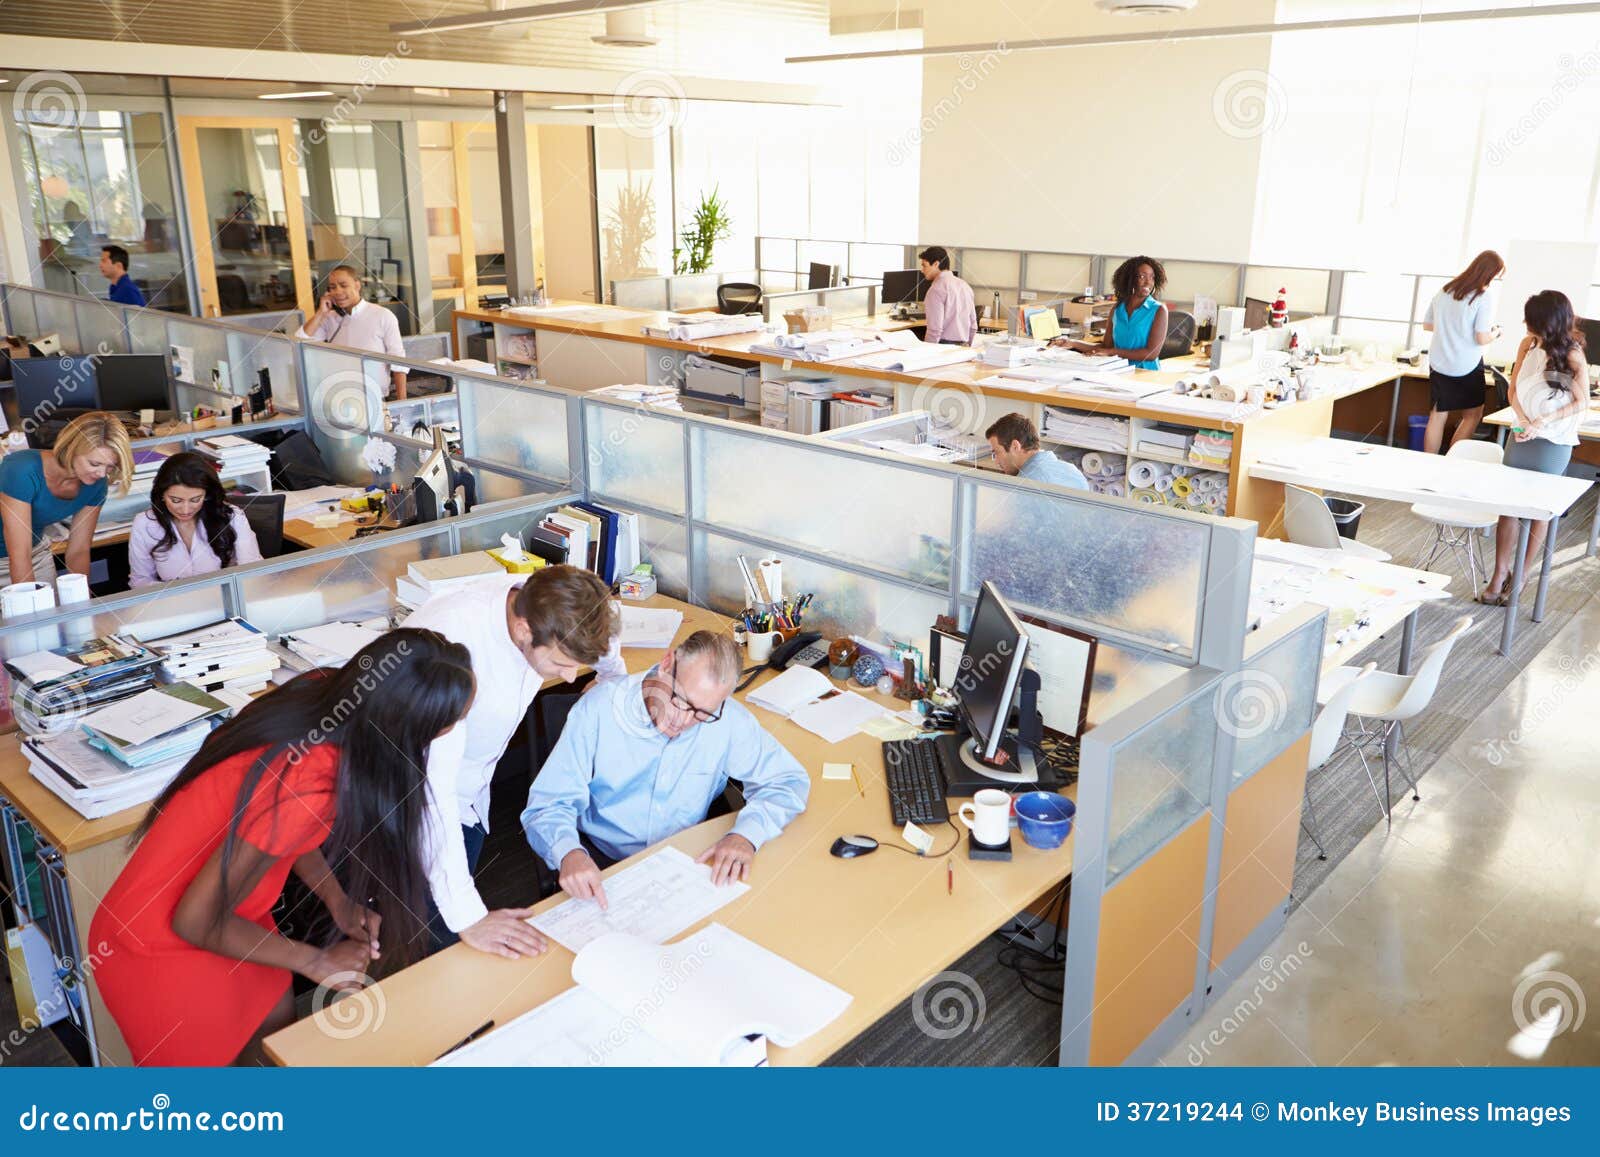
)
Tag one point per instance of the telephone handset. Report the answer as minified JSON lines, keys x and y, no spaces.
{"x":327,"y":295}
{"x":803,"y":650}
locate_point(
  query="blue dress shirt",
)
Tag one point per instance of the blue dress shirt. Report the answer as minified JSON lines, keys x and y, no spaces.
{"x":627,"y":786}
{"x":125,"y":292}
{"x":1046,"y":467}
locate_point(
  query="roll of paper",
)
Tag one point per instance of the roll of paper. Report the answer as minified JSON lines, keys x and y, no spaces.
{"x":1164,"y":482}
{"x":1116,"y":489}
{"x":72,"y":588}
{"x":772,"y":571}
{"x":26,"y":598}
{"x":1093,"y":465}
{"x":1195,"y":500}
{"x":1181,"y":470}
{"x":1142,"y":475}
{"x":1182,"y":487}
{"x":1147,"y":497}
{"x":1116,"y":465}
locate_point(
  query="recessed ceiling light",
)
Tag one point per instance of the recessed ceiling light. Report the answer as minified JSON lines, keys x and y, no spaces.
{"x":292,"y":95}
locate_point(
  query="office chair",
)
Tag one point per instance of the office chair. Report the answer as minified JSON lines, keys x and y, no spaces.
{"x":1501,"y":385}
{"x":1393,"y":700}
{"x":232,"y":293}
{"x":738,"y":297}
{"x":1325,"y":735}
{"x":1456,"y":529}
{"x":1307,"y":521}
{"x":264,"y":513}
{"x":1180,"y":334}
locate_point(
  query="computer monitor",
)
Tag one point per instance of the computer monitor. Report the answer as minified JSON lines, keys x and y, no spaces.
{"x":45,"y":386}
{"x":904,"y":286}
{"x":129,"y":383}
{"x":1257,"y":313}
{"x":1591,"y":339}
{"x":992,"y":662}
{"x":821,"y":277}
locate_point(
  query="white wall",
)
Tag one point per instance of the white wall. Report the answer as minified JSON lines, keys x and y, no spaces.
{"x":1139,"y":148}
{"x":568,"y":206}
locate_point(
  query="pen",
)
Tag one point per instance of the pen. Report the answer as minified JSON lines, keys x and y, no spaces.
{"x":466,"y":1040}
{"x":949,"y":878}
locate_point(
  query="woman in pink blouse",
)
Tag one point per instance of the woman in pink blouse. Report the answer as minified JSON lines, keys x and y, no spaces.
{"x":190,"y":527}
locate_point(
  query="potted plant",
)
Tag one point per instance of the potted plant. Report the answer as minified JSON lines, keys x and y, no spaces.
{"x":709,"y":223}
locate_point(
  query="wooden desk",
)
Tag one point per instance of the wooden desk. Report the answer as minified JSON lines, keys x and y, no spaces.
{"x":877,"y":927}
{"x":296,"y":530}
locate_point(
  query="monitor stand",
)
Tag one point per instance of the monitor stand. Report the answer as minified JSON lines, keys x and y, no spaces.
{"x":966,"y":771}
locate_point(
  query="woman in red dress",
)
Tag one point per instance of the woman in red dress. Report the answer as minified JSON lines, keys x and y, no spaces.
{"x":325,"y":776}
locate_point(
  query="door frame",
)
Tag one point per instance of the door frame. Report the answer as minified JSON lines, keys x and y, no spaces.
{"x":205,"y":259}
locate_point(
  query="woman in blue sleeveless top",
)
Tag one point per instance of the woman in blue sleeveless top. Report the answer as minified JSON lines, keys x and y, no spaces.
{"x":1138,"y":326}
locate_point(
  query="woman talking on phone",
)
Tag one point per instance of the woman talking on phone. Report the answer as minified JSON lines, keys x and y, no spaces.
{"x":325,"y":777}
{"x":344,"y":318}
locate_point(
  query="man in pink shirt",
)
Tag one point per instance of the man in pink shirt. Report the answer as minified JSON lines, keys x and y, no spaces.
{"x":952,"y":316}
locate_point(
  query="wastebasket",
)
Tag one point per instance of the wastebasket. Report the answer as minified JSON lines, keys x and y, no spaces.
{"x":1346,"y":515}
{"x":1416,"y":431}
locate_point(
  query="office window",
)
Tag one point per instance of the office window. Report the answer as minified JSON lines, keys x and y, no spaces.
{"x":102,"y":178}
{"x":633,"y":188}
{"x":1408,"y":149}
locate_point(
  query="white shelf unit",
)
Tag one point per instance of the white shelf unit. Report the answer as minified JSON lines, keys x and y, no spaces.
{"x":1127,"y":450}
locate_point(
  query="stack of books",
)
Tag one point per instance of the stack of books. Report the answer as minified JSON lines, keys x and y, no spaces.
{"x":433,"y":576}
{"x":589,"y":535}
{"x":234,"y":455}
{"x":126,"y":753}
{"x":1164,"y":441}
{"x":145,"y":464}
{"x":226,"y":656}
{"x":55,"y":688}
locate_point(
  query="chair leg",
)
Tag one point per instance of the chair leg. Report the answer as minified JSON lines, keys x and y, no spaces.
{"x":1406,"y":769}
{"x":1309,"y":822}
{"x":1388,"y":799}
{"x":1433,"y":548}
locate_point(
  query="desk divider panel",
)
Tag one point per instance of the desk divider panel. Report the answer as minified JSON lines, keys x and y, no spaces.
{"x":22,"y":314}
{"x":101,"y":328}
{"x":58,"y":315}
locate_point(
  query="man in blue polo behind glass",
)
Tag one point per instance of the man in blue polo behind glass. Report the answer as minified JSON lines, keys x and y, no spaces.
{"x":1014,"y":441}
{"x":642,"y":758}
{"x":114,"y":268}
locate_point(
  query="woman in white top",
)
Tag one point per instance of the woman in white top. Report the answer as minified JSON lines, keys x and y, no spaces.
{"x":1549,"y":392}
{"x":190,"y":527}
{"x":1461,"y":320}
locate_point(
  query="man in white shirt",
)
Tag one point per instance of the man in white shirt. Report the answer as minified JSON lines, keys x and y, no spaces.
{"x":519,"y":633}
{"x":344,"y":318}
{"x":952,"y":314}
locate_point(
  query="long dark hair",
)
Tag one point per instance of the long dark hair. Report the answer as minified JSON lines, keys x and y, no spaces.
{"x":216,"y":515}
{"x":1475,"y":278}
{"x":1127,"y":274}
{"x":381,"y":709}
{"x":1549,"y":316}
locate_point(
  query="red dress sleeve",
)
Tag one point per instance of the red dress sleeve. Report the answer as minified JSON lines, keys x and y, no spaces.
{"x":292,"y":808}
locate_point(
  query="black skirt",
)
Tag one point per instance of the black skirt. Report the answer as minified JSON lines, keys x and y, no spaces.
{"x":1456,"y":391}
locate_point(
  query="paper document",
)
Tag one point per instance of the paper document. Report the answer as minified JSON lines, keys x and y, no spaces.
{"x":790,"y":691}
{"x":654,"y":899}
{"x":649,"y":626}
{"x":332,"y":644}
{"x":837,"y":717}
{"x":140,"y":718}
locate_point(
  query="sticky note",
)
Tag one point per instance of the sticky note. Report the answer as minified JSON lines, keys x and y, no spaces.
{"x":325,"y":521}
{"x":836,"y":771}
{"x":917,"y":838}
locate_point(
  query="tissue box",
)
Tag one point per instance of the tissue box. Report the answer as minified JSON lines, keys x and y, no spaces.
{"x":519,"y":562}
{"x":809,"y":319}
{"x":636,"y":586}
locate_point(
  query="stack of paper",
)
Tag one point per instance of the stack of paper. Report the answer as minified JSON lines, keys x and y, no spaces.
{"x":432,"y":576}
{"x":827,"y":346}
{"x":145,"y":464}
{"x":54,"y":688}
{"x":330,"y":645}
{"x":699,"y":327}
{"x":91,"y":782}
{"x":1007,"y":351}
{"x":1092,"y":431}
{"x":1072,"y":359}
{"x":649,"y":626}
{"x":154,"y":727}
{"x":921,"y":356}
{"x":663,"y":396}
{"x":234,"y":455}
{"x":230,"y":655}
{"x":808,"y":699}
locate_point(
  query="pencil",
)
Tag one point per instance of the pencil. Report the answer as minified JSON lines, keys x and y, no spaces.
{"x":949,"y":878}
{"x":860,"y":791}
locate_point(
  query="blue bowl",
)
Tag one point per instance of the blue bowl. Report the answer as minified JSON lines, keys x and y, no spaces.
{"x":1045,"y":819}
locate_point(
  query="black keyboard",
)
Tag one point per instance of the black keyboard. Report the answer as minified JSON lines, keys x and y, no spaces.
{"x":916,"y":785}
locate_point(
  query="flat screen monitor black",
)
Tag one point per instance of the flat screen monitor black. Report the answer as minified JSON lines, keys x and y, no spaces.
{"x":821,"y":276}
{"x":991,"y":668}
{"x":904,"y":286}
{"x":1257,"y":313}
{"x":1591,"y":339}
{"x":45,"y":386}
{"x":133,"y":382}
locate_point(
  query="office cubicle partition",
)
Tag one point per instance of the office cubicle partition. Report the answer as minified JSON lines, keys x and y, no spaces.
{"x":674,"y":291}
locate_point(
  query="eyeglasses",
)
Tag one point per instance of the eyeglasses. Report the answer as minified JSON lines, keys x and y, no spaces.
{"x":683,"y":704}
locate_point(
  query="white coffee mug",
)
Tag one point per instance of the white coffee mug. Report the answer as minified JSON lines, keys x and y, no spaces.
{"x":761,"y":644}
{"x":990,"y":821}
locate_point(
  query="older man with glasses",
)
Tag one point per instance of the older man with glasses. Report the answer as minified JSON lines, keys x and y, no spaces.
{"x":642,"y":758}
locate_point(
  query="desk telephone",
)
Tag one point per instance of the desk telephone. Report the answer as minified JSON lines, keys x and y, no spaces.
{"x":804,"y":650}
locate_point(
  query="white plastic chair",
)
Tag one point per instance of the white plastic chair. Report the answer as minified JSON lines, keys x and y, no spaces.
{"x":1392,"y":700}
{"x":1308,"y":522}
{"x":1456,"y":529}
{"x":1325,"y":735}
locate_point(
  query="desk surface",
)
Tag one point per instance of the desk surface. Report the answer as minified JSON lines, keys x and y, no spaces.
{"x":296,"y":530}
{"x":1588,"y":432}
{"x":1398,"y":475}
{"x":899,"y":926}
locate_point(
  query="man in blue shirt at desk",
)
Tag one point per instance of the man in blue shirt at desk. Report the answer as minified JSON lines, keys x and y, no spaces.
{"x":643,"y":758}
{"x":114,"y":268}
{"x":1015,"y":444}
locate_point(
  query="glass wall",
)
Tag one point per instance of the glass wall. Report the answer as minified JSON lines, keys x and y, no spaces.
{"x":102,"y":178}
{"x":633,"y":183}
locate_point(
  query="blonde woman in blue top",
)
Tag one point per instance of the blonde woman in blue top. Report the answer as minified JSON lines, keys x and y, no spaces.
{"x":1138,"y":326}
{"x":65,"y":484}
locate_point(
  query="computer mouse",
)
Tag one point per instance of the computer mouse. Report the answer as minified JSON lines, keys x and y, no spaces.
{"x":849,"y":847}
